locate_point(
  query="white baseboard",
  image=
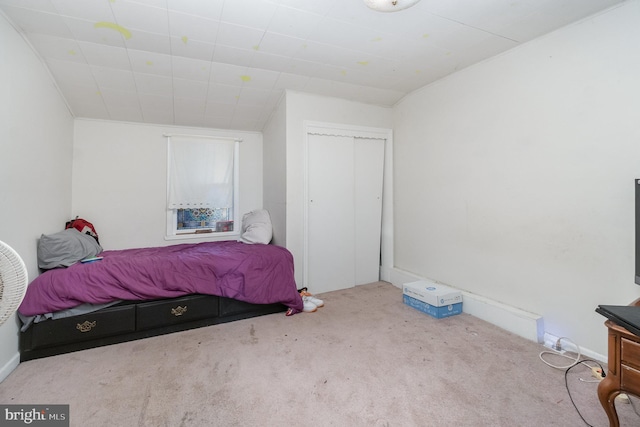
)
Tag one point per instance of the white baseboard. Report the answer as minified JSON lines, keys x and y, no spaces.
{"x":522,"y":323}
{"x":9,"y":366}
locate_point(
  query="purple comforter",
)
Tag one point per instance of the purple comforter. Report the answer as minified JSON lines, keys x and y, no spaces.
{"x":259,"y":274}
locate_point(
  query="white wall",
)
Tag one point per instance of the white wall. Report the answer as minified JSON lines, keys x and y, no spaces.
{"x":36,"y":135}
{"x":514,"y":178}
{"x":303,"y":107}
{"x":275,"y":172}
{"x":120,"y":179}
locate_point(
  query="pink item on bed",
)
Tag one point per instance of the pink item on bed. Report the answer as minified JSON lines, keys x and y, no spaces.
{"x":258,"y":274}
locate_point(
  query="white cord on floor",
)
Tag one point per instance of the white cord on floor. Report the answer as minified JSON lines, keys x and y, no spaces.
{"x":557,"y":353}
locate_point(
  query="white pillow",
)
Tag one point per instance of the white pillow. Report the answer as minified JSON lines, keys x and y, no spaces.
{"x":256,"y":227}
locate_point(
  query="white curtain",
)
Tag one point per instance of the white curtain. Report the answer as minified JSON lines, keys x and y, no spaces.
{"x":200,"y":173}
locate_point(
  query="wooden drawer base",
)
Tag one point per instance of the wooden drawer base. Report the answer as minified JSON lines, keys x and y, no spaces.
{"x":156,"y":314}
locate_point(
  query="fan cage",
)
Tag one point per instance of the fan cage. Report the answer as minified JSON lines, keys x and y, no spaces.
{"x":13,"y":281}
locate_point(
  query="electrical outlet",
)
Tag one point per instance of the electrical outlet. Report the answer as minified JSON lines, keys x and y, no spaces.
{"x":555,"y":346}
{"x":596,"y":373}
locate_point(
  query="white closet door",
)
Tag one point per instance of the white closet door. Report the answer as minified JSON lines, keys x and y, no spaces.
{"x":330,"y":213}
{"x":369,"y":161}
{"x":344,"y":210}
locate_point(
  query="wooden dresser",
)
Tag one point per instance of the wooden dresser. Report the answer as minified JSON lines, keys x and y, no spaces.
{"x":623,"y":375}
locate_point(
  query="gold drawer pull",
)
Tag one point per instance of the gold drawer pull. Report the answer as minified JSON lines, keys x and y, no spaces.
{"x":179,"y":311}
{"x":86,"y":326}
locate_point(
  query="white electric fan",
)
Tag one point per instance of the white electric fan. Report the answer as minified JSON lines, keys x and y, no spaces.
{"x":13,"y":281}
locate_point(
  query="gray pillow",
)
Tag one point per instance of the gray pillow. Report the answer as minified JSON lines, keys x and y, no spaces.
{"x":65,"y":248}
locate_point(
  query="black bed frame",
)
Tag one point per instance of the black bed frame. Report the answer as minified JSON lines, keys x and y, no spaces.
{"x":132,"y":320}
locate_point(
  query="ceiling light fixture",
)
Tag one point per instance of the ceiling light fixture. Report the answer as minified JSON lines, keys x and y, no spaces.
{"x":389,"y":5}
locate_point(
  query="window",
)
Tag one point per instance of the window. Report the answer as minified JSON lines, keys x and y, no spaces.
{"x":202,"y":176}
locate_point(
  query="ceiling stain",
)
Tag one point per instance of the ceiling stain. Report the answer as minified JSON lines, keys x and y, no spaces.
{"x":113,"y":26}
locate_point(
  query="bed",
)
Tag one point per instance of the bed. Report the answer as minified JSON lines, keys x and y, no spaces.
{"x":123,"y":295}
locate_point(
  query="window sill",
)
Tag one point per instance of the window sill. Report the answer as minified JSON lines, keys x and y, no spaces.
{"x":204,"y":235}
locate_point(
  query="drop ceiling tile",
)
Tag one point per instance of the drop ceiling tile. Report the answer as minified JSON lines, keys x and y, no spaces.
{"x":223,"y":94}
{"x":189,"y":120}
{"x":92,"y":111}
{"x":155,"y":3}
{"x":259,"y":79}
{"x":69,"y":73}
{"x":86,"y":95}
{"x":88,"y":31}
{"x":238,"y":36}
{"x":387,"y":46}
{"x":150,"y":62}
{"x":192,"y":49}
{"x":187,"y":112}
{"x":114,"y":99}
{"x":159,"y":117}
{"x":94,"y":11}
{"x":245,"y":123}
{"x":248,"y":13}
{"x":189,"y":27}
{"x":137,"y":16}
{"x":291,"y":81}
{"x":343,"y":34}
{"x":50,"y":47}
{"x":190,"y":89}
{"x":217,"y":122}
{"x":323,"y":53}
{"x":105,"y":55}
{"x":218,"y":68}
{"x":151,"y":84}
{"x":280,"y":44}
{"x":191,"y":69}
{"x":33,"y":21}
{"x":246,"y":114}
{"x":232,"y":55}
{"x":294,"y":22}
{"x":219,"y":110}
{"x":210,"y":9}
{"x":270,"y":62}
{"x":306,"y":68}
{"x":41,"y":5}
{"x":154,"y":103}
{"x":151,"y":42}
{"x":253,"y":97}
{"x":125,"y":114}
{"x":113,"y":78}
{"x":314,"y":6}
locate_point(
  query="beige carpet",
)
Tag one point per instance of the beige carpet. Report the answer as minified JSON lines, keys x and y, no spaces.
{"x":365,"y":359}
